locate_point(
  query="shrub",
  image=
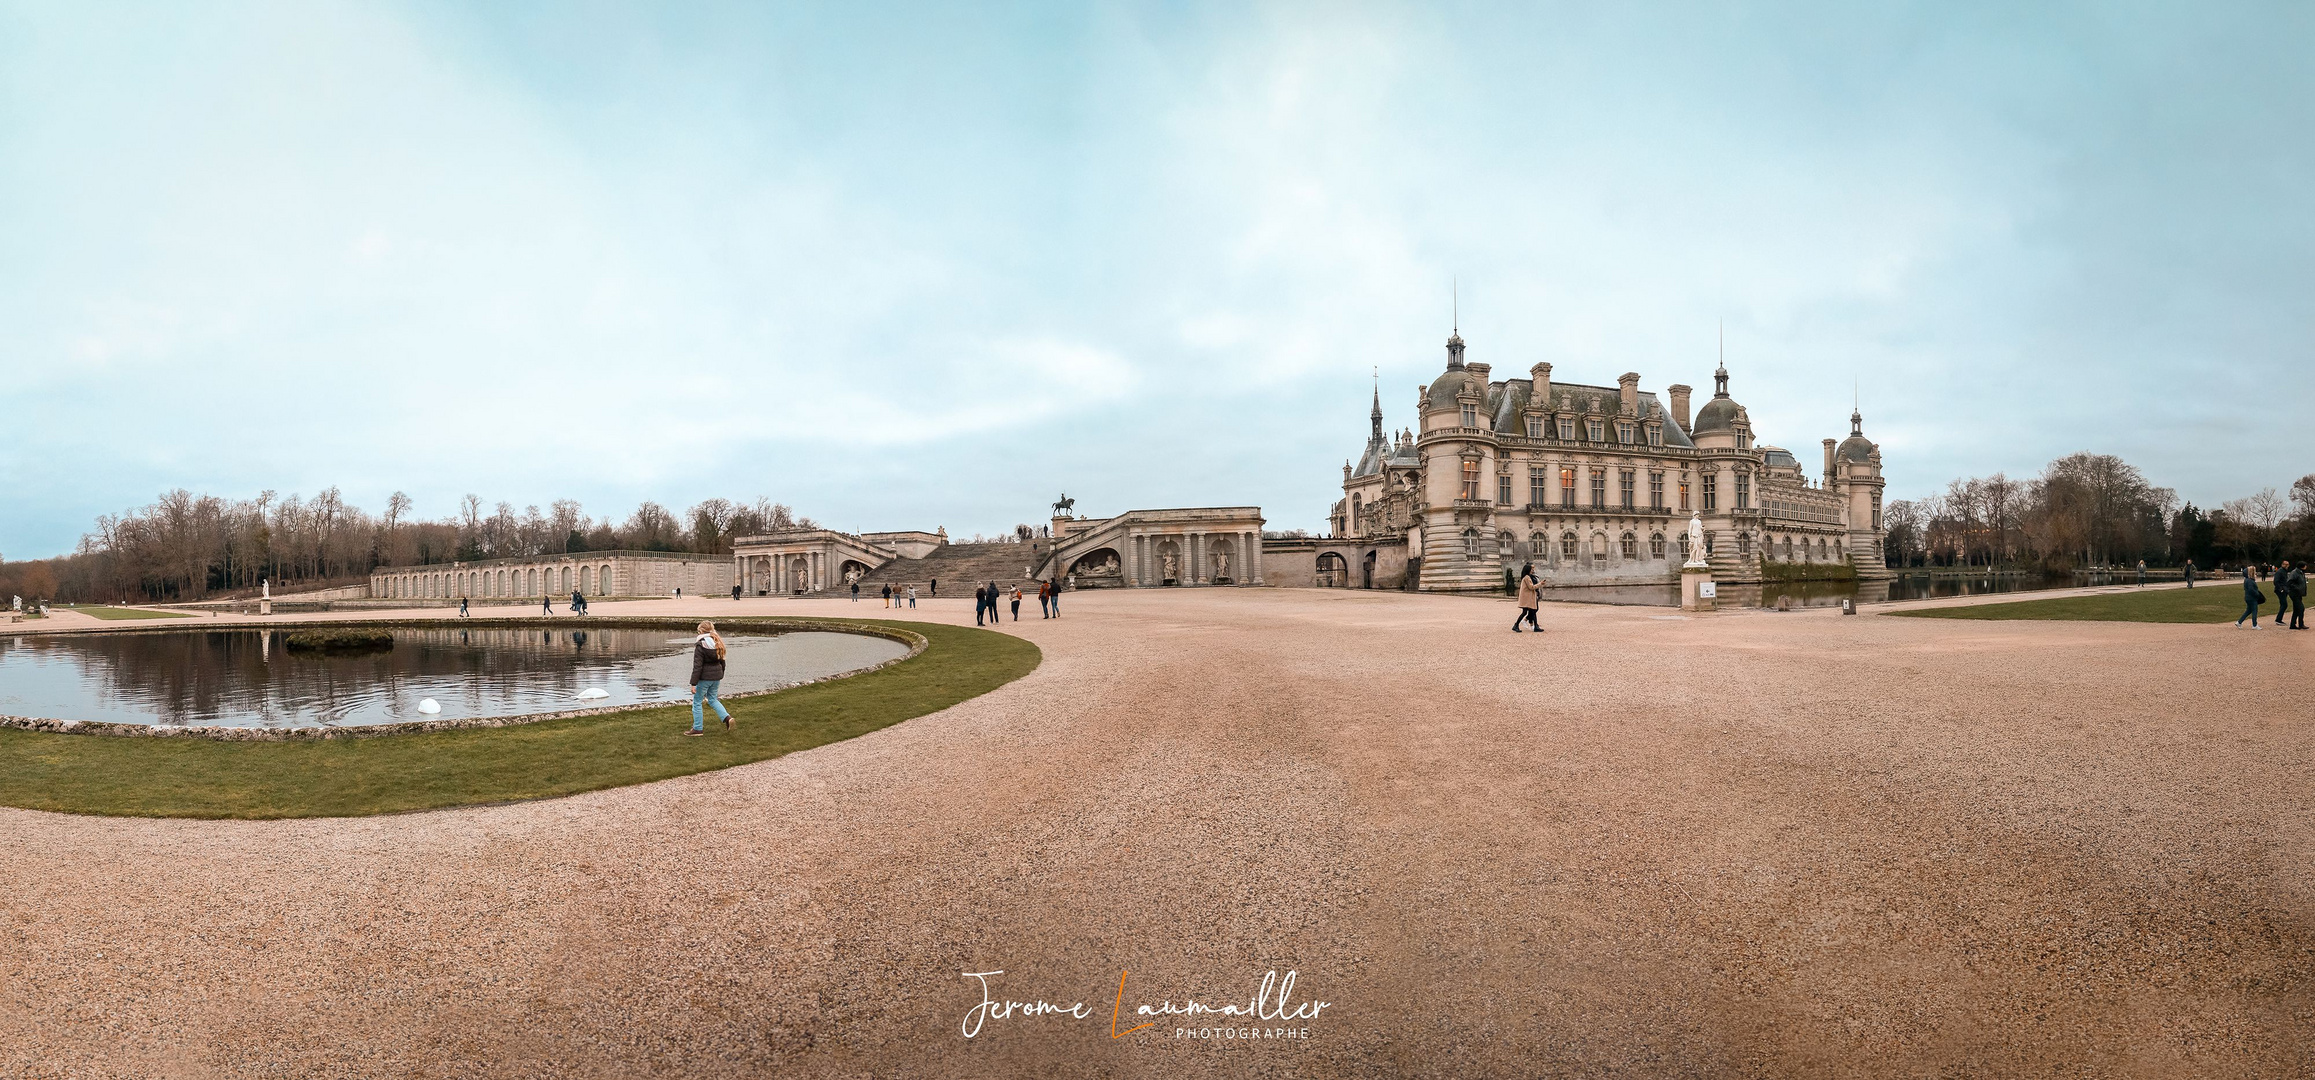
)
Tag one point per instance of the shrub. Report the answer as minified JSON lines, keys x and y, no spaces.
{"x":339,"y":641}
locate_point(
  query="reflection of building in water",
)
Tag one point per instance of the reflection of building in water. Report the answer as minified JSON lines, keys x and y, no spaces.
{"x":590,"y":573}
{"x":1594,"y":485}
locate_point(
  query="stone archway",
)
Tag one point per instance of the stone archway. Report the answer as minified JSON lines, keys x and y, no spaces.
{"x":799,"y":574}
{"x":851,"y":570}
{"x":1333,"y":571}
{"x":1102,"y":566}
{"x":1223,"y":562}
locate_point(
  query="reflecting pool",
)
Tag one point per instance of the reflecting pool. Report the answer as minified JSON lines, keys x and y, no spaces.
{"x":246,"y":678}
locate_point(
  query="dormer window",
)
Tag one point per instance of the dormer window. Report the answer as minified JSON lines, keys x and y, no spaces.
{"x":1535,"y":427}
{"x":1624,"y":434}
{"x":1596,"y":430}
{"x":1567,"y":429}
{"x":1655,"y":434}
{"x":1470,"y":416}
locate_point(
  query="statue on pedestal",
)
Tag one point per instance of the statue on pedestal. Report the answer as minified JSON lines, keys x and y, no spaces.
{"x":1169,"y":571}
{"x":1221,"y":564}
{"x":1695,"y":542}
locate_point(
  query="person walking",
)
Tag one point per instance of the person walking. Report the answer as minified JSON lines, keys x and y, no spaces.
{"x":1016,"y":603}
{"x":1056,"y":601}
{"x":462,"y":607}
{"x":980,"y":603}
{"x":578,"y":602}
{"x":912,"y":597}
{"x":1044,"y":599}
{"x":2190,"y":573}
{"x":888,"y":597}
{"x":2281,"y":580}
{"x":707,"y":663}
{"x":547,"y":603}
{"x":1530,"y":597}
{"x":2141,"y":573}
{"x":934,"y":585}
{"x":2299,"y":597}
{"x":855,"y":590}
{"x":2251,"y":598}
{"x":735,"y":593}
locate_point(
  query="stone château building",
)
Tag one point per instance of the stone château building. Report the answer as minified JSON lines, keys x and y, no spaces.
{"x":1594,"y":485}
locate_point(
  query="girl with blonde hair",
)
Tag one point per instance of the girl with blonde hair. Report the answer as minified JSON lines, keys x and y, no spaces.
{"x":707,"y":655}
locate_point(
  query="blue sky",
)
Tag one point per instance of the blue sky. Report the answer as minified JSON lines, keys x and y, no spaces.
{"x":907,"y":266}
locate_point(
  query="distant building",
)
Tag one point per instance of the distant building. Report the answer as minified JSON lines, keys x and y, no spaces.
{"x":1594,"y":485}
{"x":590,"y":573}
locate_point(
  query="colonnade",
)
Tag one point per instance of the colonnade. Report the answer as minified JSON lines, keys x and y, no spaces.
{"x":1146,"y":565}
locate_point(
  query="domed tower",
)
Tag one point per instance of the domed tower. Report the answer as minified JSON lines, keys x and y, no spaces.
{"x":1458,"y":448}
{"x":1857,"y":478}
{"x":1728,"y":471}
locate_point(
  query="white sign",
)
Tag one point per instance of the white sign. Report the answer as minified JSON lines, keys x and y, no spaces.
{"x":1707,"y":590}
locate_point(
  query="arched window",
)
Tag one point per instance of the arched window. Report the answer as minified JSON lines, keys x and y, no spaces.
{"x":1355,"y":502}
{"x":1470,"y":543}
{"x":1538,"y":544}
{"x":1685,"y":553}
{"x":1506,"y":543}
{"x":1788,"y":549}
{"x":1567,"y":545}
{"x":1743,"y":544}
{"x":1820,"y":548}
{"x":1708,"y":543}
{"x":1630,"y":545}
{"x":1655,"y":545}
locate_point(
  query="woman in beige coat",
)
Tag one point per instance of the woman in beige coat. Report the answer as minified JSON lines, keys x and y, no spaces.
{"x":1530,"y":596}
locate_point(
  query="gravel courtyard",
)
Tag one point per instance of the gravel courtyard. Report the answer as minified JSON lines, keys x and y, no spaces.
{"x":1746,"y":844}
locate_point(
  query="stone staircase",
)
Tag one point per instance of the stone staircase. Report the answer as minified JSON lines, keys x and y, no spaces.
{"x":958,"y":567}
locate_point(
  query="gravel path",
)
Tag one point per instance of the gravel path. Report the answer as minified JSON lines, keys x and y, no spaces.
{"x":1742,"y":844}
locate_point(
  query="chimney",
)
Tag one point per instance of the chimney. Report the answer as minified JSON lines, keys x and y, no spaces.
{"x":1479,"y":370}
{"x":1540,"y":376}
{"x":1628,"y":390}
{"x":1828,"y":462}
{"x":1679,"y":392}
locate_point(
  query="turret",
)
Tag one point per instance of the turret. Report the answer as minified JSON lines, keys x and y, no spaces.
{"x":1455,"y":351}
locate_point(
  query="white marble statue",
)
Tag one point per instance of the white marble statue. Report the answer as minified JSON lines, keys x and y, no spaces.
{"x":1221,"y":564}
{"x":266,"y":586}
{"x":1696,"y":541}
{"x":1169,"y":561}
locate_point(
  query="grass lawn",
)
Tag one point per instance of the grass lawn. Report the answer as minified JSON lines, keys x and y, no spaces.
{"x":2217,"y":601}
{"x":340,"y":777}
{"x":103,"y":612}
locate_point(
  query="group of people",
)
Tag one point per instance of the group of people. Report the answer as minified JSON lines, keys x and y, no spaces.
{"x":893,"y":597}
{"x":2290,"y":585}
{"x":546,"y":604}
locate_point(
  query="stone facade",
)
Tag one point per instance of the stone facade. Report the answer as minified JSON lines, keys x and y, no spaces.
{"x":809,"y":560}
{"x":1210,"y":545}
{"x":589,"y":573}
{"x":1335,"y":563}
{"x":1594,"y":485}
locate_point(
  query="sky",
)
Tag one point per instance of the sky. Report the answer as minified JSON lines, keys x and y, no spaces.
{"x":907,"y":266}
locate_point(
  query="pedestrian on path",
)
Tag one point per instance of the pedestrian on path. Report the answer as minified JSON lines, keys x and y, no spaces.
{"x":1044,"y":599}
{"x":1016,"y":603}
{"x":888,"y":596}
{"x":2190,"y":573}
{"x":935,"y":587}
{"x":2252,"y":597}
{"x":980,"y":603}
{"x":735,"y":593}
{"x":912,"y":597}
{"x":1530,"y":597}
{"x":707,"y":663}
{"x":1056,"y":601}
{"x":855,"y":590}
{"x":547,"y":603}
{"x":2299,"y":597}
{"x":578,"y":602}
{"x":462,"y":607}
{"x":2281,"y":579}
{"x":2141,"y":573}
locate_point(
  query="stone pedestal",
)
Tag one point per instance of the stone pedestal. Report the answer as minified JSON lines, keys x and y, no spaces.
{"x":1697,"y":592}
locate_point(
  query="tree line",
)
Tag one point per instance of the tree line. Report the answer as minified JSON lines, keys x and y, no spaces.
{"x":2088,"y":510}
{"x":192,"y":547}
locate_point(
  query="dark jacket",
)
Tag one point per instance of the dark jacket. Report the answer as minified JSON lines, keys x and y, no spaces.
{"x":2251,"y":586}
{"x":706,"y":666}
{"x":2298,"y":585}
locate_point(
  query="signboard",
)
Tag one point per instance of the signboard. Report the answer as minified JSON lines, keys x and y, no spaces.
{"x":1707,"y":590}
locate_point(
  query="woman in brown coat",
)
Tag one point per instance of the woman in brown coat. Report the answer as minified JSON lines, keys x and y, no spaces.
{"x":1530,"y":596}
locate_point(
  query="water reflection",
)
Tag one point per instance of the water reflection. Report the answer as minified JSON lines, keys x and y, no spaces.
{"x":242,"y":678}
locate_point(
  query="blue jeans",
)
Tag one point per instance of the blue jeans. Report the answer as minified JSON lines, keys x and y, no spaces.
{"x":706,"y":692}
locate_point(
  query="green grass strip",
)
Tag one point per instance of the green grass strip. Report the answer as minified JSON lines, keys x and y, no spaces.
{"x":2216,"y":602}
{"x":102,"y":612}
{"x":346,"y":776}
